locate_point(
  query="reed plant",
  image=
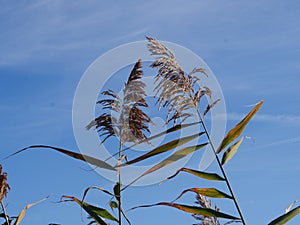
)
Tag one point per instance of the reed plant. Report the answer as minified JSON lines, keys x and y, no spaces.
{"x":124,"y":118}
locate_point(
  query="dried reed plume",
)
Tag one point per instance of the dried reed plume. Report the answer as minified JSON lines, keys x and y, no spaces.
{"x":205,"y":203}
{"x":4,"y":187}
{"x":175,"y":89}
{"x":126,"y":120}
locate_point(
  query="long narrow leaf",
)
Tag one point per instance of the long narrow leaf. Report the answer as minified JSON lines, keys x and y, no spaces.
{"x":209,"y":192}
{"x":193,"y":210}
{"x":175,"y":156}
{"x":204,"y":175}
{"x":238,"y":129}
{"x":85,"y":158}
{"x":23,"y":212}
{"x":95,"y":212}
{"x":164,"y":148}
{"x":171,"y":159}
{"x":286,"y":217}
{"x":170,"y":130}
{"x":230,"y":152}
{"x":97,"y":188}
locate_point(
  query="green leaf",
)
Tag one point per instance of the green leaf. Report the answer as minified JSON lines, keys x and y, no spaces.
{"x":164,"y":148}
{"x":117,"y":191}
{"x":204,"y":175}
{"x":85,"y":158}
{"x":193,"y":210}
{"x":171,"y":159}
{"x":286,"y":217}
{"x":97,"y":188}
{"x":170,"y":130}
{"x":95,"y":212}
{"x":209,"y":192}
{"x":230,"y":152}
{"x":238,"y":129}
{"x":174,"y":157}
{"x":23,"y":212}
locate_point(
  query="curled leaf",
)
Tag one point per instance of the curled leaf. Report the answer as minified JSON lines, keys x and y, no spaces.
{"x":23,"y":212}
{"x":209,"y":192}
{"x":204,"y":175}
{"x":95,"y":212}
{"x":97,"y":188}
{"x":210,"y":106}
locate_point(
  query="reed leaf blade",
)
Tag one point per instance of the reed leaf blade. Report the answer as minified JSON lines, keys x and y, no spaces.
{"x":85,"y":158}
{"x":231,"y":151}
{"x":164,"y":148}
{"x":286,"y":217}
{"x":193,"y":209}
{"x":204,"y":175}
{"x":238,"y":129}
{"x":209,"y":192}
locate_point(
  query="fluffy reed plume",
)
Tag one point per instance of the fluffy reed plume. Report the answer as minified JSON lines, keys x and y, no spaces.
{"x":4,"y":187}
{"x":205,"y":203}
{"x":175,"y":89}
{"x":126,"y":120}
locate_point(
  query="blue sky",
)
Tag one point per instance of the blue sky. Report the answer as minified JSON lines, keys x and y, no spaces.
{"x":251,"y":46}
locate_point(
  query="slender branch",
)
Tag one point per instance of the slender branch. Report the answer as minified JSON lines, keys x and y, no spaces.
{"x":220,"y":165}
{"x":4,"y":212}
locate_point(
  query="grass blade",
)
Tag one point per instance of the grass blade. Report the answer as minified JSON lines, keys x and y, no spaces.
{"x":170,"y":130}
{"x":209,"y":192}
{"x":286,"y":217}
{"x":238,"y":129}
{"x":164,"y":148}
{"x":95,"y":212}
{"x":85,"y":158}
{"x":175,"y":156}
{"x":97,"y":188}
{"x":171,"y":159}
{"x":204,"y":175}
{"x":23,"y":212}
{"x":193,"y":209}
{"x":230,"y":152}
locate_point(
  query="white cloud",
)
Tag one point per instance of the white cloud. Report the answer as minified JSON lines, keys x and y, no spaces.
{"x":282,"y":142}
{"x":283,"y":118}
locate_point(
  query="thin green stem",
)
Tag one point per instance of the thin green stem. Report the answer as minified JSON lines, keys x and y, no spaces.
{"x":120,"y":184}
{"x":220,"y":165}
{"x":5,"y":214}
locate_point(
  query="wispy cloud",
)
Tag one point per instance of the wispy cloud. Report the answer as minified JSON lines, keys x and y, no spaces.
{"x":282,"y":142}
{"x":280,"y":118}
